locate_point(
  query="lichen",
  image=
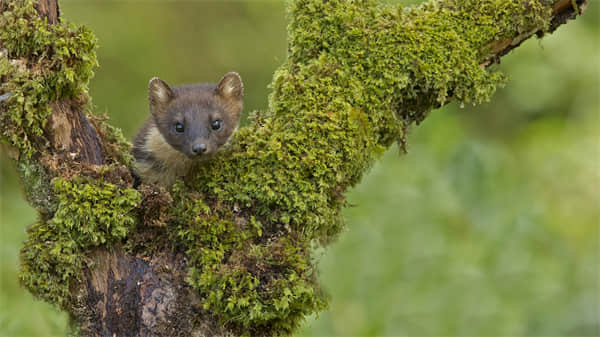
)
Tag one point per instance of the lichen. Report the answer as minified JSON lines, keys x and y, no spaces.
{"x":40,"y":64}
{"x":87,"y":214}
{"x":36,"y":184}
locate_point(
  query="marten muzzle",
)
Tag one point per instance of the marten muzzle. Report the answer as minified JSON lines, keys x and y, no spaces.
{"x":199,"y":149}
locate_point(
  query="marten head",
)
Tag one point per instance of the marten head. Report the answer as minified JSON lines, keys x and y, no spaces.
{"x":197,"y":120}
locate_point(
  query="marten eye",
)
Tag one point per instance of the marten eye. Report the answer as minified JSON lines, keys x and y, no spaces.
{"x":216,"y":124}
{"x":179,"y":128}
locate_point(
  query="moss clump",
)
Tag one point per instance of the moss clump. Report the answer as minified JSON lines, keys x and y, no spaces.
{"x":263,"y":287}
{"x":94,"y":213}
{"x":40,"y":64}
{"x":88,"y":214}
{"x":256,"y":285}
{"x":49,"y":262}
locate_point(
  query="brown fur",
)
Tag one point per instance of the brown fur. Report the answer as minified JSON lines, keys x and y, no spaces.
{"x":163,"y":153}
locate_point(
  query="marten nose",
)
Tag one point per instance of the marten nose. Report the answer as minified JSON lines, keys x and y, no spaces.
{"x":199,"y":148}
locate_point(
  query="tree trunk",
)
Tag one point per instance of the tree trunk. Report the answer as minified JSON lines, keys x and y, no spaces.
{"x":227,"y":251}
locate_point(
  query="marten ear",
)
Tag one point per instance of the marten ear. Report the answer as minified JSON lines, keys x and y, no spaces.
{"x":159,"y":92}
{"x":230,"y":88}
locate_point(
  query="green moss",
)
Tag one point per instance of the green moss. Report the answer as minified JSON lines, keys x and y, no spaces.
{"x":41,"y":64}
{"x":254,"y":284}
{"x":117,"y":147}
{"x":87,"y":214}
{"x":358,"y":74}
{"x":94,"y":213}
{"x":263,"y":287}
{"x":49,"y":262}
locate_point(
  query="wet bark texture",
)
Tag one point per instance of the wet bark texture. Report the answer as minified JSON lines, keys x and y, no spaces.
{"x":125,"y":295}
{"x":122,"y":294}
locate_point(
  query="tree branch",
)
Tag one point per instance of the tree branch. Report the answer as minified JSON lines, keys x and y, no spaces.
{"x":228,"y":251}
{"x":562,"y":12}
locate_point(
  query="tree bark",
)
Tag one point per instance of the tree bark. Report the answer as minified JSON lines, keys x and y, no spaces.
{"x":128,"y":291}
{"x":562,"y":12}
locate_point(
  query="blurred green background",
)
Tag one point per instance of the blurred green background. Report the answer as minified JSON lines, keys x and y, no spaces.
{"x":488,"y":227}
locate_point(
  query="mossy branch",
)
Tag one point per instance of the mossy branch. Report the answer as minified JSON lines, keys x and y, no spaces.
{"x":228,"y":251}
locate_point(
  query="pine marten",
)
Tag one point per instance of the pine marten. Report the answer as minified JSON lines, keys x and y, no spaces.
{"x":186,"y":124}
